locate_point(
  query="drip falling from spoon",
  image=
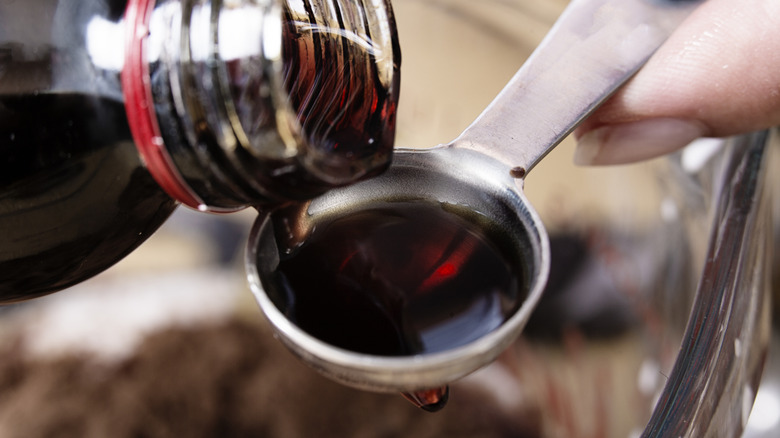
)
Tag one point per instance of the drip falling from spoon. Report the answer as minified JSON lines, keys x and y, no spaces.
{"x":429,"y":400}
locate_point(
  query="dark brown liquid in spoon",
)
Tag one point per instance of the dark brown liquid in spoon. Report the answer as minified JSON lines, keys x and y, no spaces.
{"x":399,"y":279}
{"x":396,"y":279}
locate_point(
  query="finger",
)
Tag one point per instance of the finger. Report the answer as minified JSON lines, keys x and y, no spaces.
{"x":717,"y":75}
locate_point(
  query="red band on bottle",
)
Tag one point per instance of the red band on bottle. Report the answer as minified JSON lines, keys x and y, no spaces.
{"x":140,"y":109}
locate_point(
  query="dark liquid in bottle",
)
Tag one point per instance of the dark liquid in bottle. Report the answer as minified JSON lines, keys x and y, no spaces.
{"x":337,"y":84}
{"x":74,"y":196}
{"x":404,"y":278}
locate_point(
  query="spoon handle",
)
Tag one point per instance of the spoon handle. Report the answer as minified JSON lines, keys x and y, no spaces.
{"x":592,"y":49}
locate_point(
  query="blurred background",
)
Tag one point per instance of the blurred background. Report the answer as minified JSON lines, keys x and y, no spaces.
{"x":170,"y":342}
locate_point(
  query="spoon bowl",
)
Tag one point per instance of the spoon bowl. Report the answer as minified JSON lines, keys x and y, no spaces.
{"x":482,"y":188}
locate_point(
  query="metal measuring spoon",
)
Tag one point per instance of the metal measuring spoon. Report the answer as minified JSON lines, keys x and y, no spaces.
{"x":593,"y":48}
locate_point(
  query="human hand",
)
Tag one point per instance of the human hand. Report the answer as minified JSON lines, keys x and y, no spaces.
{"x":717,"y":75}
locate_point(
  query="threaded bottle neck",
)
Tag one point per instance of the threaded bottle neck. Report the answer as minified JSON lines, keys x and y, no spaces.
{"x":257,"y":102}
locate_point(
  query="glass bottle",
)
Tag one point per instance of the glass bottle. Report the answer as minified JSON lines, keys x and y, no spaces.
{"x":113,"y":112}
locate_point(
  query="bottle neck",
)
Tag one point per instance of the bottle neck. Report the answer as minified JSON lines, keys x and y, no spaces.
{"x":257,"y":103}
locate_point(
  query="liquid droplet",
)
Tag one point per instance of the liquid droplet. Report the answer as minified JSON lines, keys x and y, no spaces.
{"x":430,"y":400}
{"x":518,"y":172}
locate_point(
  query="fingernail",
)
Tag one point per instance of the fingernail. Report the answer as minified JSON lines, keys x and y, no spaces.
{"x":635,"y":141}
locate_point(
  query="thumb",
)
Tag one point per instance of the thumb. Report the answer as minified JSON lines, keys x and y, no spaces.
{"x":717,"y":75}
